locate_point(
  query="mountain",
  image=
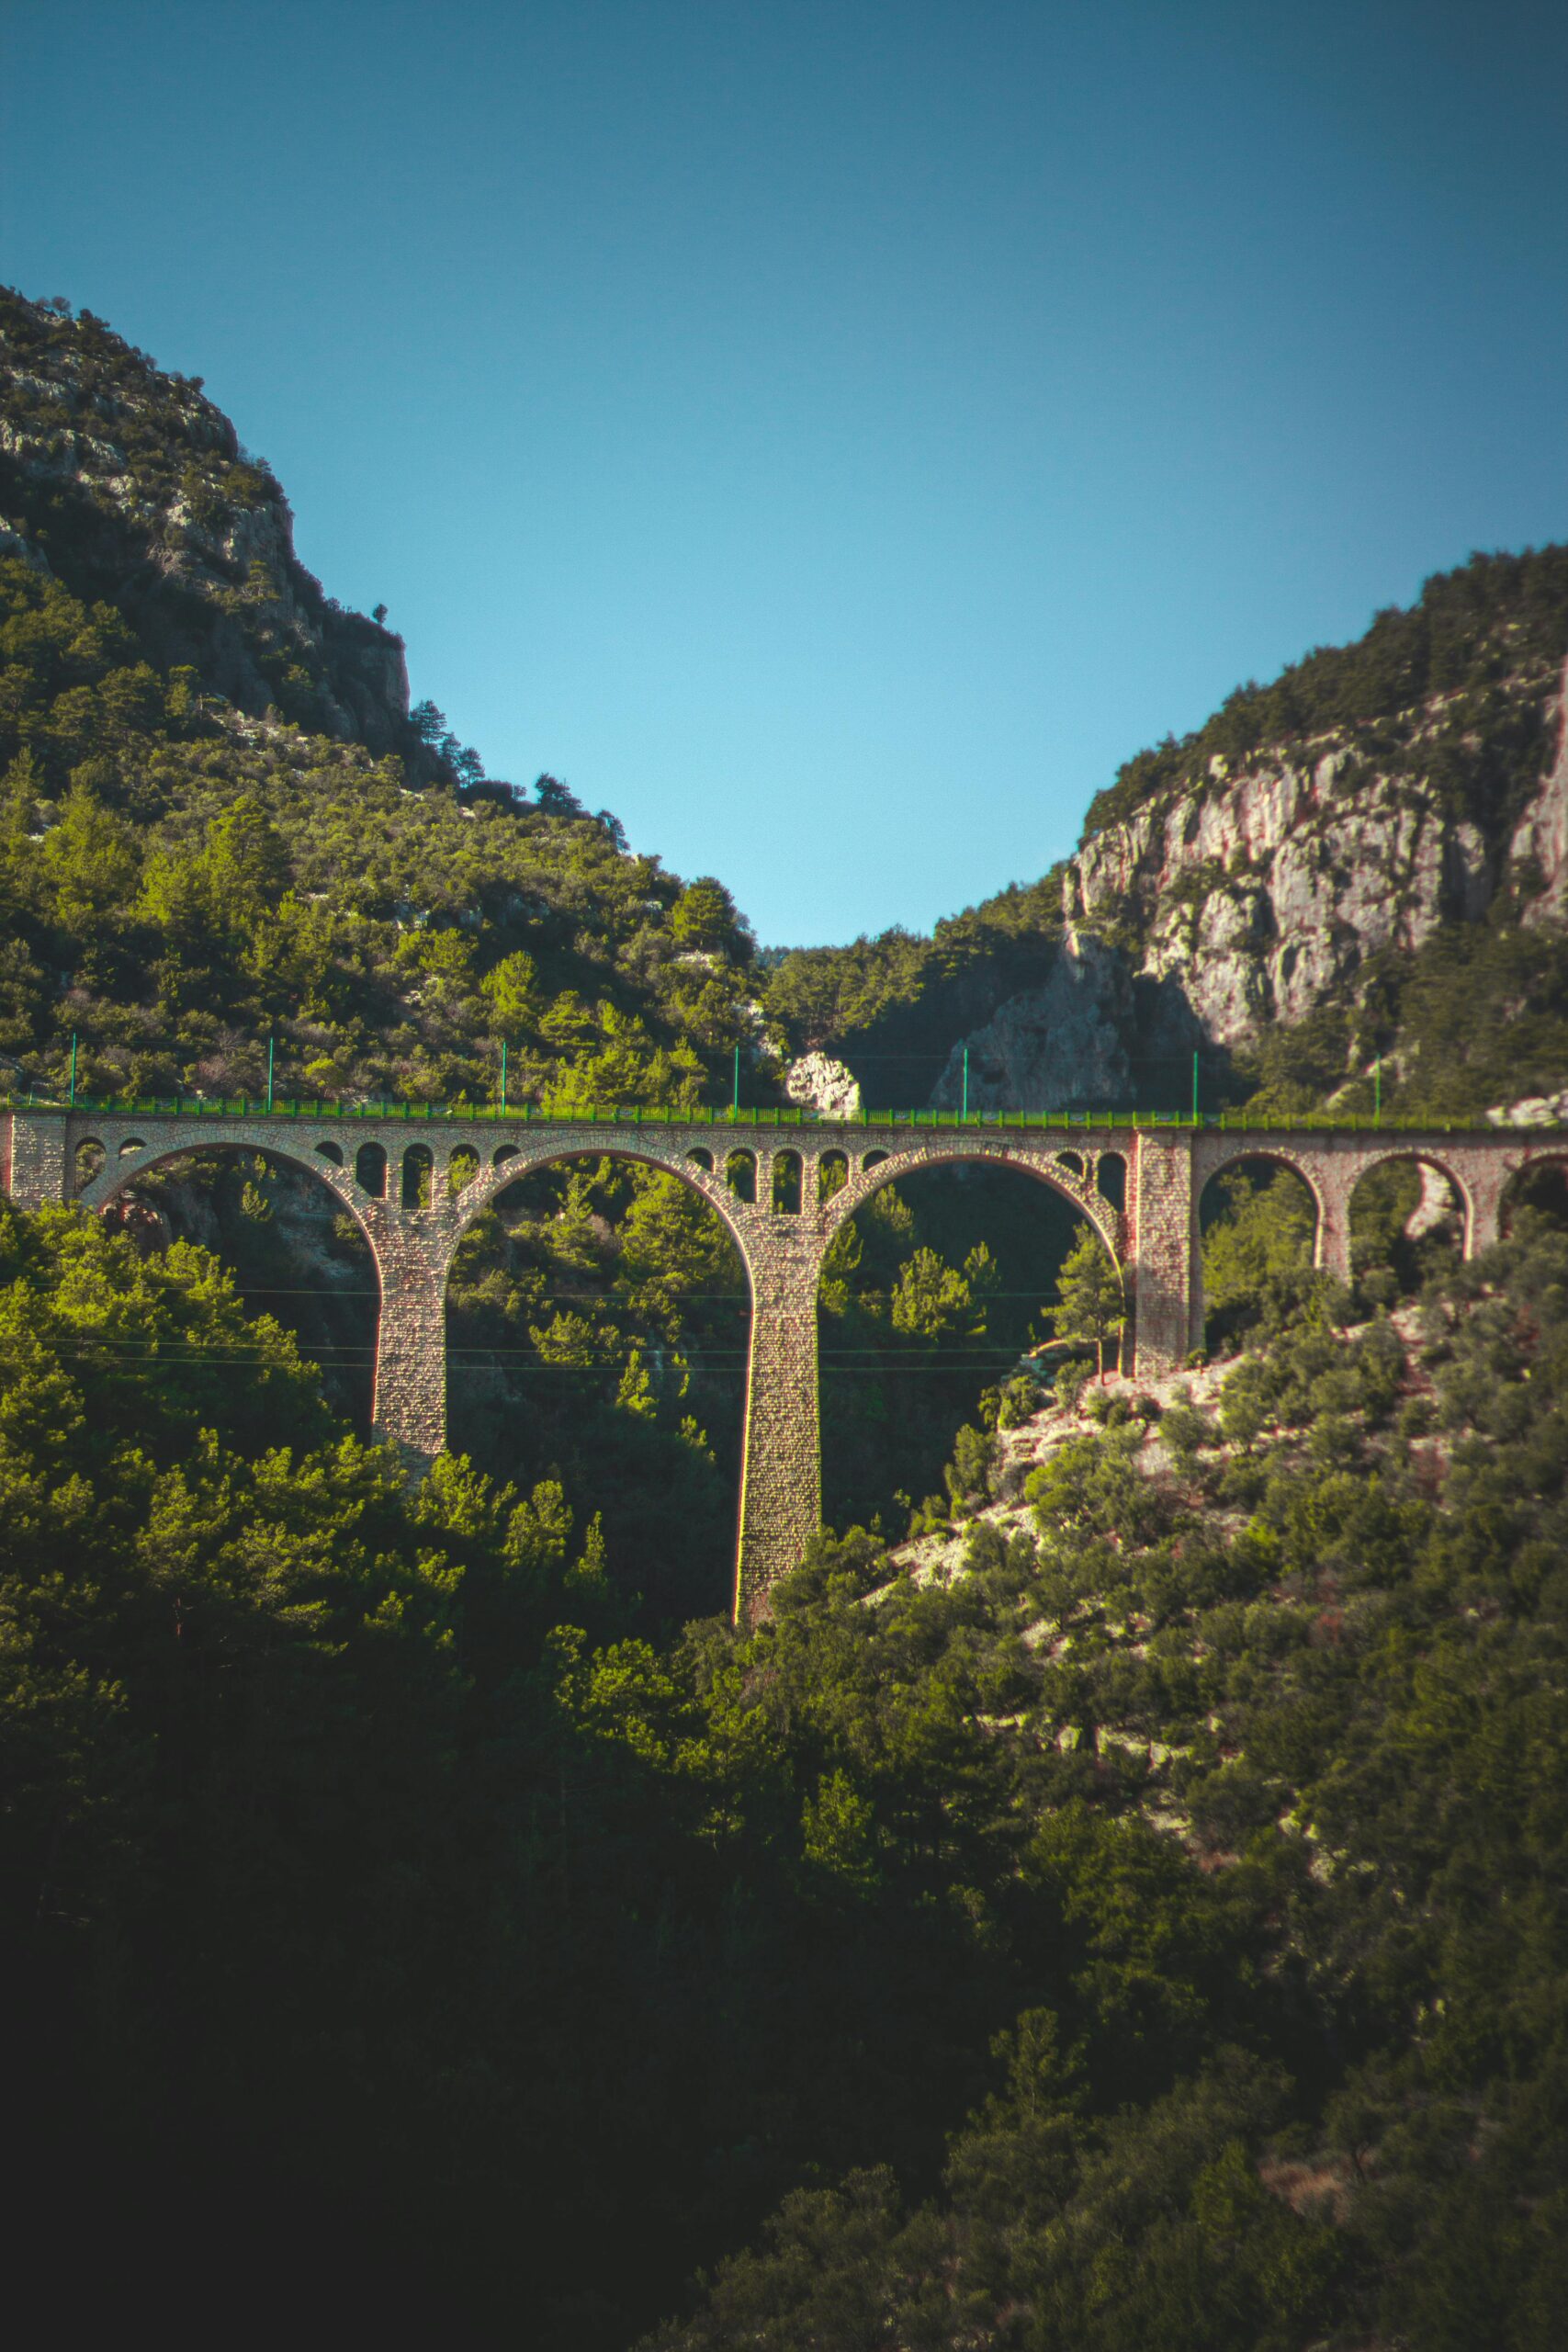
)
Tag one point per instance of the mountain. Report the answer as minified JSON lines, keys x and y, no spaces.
{"x":128,"y":485}
{"x":223,"y":823}
{"x":1364,"y":863}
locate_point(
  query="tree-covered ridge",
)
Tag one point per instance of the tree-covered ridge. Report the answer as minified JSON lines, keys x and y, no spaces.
{"x":180,"y":881}
{"x":196,"y":858}
{"x":125,"y":484}
{"x":1199,"y":1840}
{"x":1489,"y":624}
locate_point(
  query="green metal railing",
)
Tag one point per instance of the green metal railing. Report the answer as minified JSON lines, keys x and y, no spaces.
{"x":318,"y":1108}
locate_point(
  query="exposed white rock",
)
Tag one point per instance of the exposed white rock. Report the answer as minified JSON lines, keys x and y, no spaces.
{"x":1438,"y":1205}
{"x":1536,"y":1111}
{"x":1540,"y":838}
{"x":821,"y":1084}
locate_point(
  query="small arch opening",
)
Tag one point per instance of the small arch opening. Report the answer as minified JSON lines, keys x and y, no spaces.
{"x":1541,"y":1187}
{"x":418,"y":1166}
{"x":786,"y":1183}
{"x":500,"y":1158}
{"x":700,"y":1157}
{"x":1406,"y":1220}
{"x":1111,"y":1179}
{"x":90,"y":1158}
{"x":1072,"y":1161}
{"x":872,"y":1159}
{"x":832,"y":1174}
{"x":131,"y":1144}
{"x":740,"y":1174}
{"x":462,"y":1167}
{"x":370,"y":1170}
{"x":1257,"y":1218}
{"x":330,"y":1151}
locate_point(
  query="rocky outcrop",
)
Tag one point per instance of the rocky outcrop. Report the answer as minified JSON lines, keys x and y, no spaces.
{"x":1266,"y":894}
{"x":1536,"y":1111}
{"x":821,"y":1084}
{"x":129,"y":486}
{"x":1259,"y":897}
{"x":1538,"y":850}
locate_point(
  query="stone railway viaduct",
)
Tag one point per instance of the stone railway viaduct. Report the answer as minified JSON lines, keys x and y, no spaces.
{"x":414,"y":1187}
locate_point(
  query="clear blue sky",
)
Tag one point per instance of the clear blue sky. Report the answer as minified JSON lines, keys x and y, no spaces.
{"x":834,"y":436}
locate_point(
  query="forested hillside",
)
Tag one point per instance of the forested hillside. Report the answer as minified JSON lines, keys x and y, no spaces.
{"x":201,"y":861}
{"x":1116,"y":1901}
{"x":1196,"y":1833}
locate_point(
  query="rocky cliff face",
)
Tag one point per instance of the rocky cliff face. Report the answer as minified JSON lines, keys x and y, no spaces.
{"x":1068,"y":1041}
{"x":1275,"y":884}
{"x":129,"y":486}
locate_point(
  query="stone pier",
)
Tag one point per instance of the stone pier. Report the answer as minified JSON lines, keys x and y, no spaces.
{"x":783,"y":1190}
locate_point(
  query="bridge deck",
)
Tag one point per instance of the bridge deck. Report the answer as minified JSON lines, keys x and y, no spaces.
{"x":767,"y":1116}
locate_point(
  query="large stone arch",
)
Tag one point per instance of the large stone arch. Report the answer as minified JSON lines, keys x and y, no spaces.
{"x":1537,"y":1161}
{"x":123,"y":1167}
{"x":1331,"y":1231}
{"x":779,"y":1501}
{"x":1277,"y":1156}
{"x":118,"y":1174}
{"x":1044,"y":1167}
{"x":492,"y":1179}
{"x":1063,"y":1171}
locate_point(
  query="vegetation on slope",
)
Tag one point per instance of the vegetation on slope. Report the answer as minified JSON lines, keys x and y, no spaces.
{"x":1197,"y":1840}
{"x":178,"y":884}
{"x":1285,"y":1674}
{"x":1470,"y":633}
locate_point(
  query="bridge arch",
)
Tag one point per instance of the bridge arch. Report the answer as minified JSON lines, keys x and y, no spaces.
{"x":1249,"y":1155}
{"x":136,"y":1159}
{"x":1421,"y":1157}
{"x":906,"y":1351}
{"x":1228,"y":1292}
{"x":335,"y":1327}
{"x":545,"y":1392}
{"x":1046,"y":1167}
{"x":512,"y":1166}
{"x":1540,"y":1182}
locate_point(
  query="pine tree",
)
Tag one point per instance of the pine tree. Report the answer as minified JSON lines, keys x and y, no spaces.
{"x":1090,"y":1304}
